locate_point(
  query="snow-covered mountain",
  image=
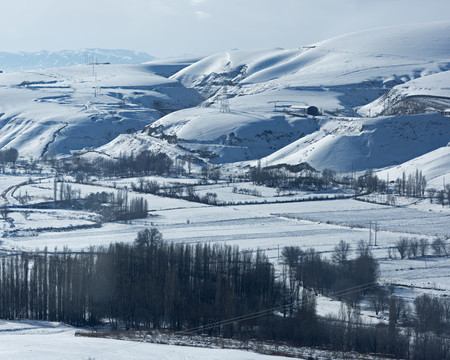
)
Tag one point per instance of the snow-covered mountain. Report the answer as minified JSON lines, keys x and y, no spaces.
{"x":347,"y":77}
{"x":362,"y":143}
{"x":64,"y":109}
{"x":421,"y":95}
{"x":11,"y":62}
{"x":379,"y":93}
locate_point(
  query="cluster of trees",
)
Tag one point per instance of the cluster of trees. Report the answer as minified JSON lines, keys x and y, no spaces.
{"x":116,"y":206}
{"x":413,"y":247}
{"x":144,"y":163}
{"x":369,"y":182}
{"x":413,"y":185}
{"x":152,"y":284}
{"x":308,"y":269}
{"x":432,"y":314}
{"x":419,"y":333}
{"x":209,"y":172}
{"x":149,"y":284}
{"x":251,"y":192}
{"x":9,"y":155}
{"x":285,"y":177}
{"x":112,"y":206}
{"x":64,"y":193}
{"x":441,"y":196}
{"x":186,"y":192}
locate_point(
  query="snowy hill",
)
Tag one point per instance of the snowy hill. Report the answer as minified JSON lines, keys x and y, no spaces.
{"x":435,"y":165}
{"x":359,"y":144}
{"x":341,"y":76}
{"x":386,"y":55}
{"x":65,"y":109}
{"x":11,"y":62}
{"x":424,"y":94}
{"x":234,"y":106}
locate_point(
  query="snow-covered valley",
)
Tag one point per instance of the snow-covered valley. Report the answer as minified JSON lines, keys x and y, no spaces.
{"x":380,"y":97}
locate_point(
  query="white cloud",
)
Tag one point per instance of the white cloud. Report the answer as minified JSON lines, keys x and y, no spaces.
{"x":197,"y":2}
{"x":202,"y":15}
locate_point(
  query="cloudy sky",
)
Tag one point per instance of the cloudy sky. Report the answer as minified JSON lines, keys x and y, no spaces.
{"x":165,"y":28}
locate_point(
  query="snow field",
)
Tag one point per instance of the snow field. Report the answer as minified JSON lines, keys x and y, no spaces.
{"x":36,"y":340}
{"x":72,"y":108}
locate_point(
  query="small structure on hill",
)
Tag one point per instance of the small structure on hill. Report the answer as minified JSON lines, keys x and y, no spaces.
{"x":303,"y":110}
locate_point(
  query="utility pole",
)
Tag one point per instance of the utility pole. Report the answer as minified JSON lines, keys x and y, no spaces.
{"x":223,"y":101}
{"x":376,"y":229}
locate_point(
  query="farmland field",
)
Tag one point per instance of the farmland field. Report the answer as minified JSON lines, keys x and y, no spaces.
{"x":266,"y":222}
{"x":280,"y":221}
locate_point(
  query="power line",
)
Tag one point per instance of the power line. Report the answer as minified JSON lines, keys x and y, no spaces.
{"x":246,"y":317}
{"x":266,"y":312}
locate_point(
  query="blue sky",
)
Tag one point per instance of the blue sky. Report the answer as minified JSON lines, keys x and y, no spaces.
{"x":165,"y":28}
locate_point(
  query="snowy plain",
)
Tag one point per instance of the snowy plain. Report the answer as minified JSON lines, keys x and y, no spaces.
{"x":39,"y":340}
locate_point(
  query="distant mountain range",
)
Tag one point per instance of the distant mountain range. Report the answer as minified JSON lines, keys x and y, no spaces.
{"x":20,"y":61}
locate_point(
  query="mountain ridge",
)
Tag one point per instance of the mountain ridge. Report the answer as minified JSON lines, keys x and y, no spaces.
{"x":21,"y":61}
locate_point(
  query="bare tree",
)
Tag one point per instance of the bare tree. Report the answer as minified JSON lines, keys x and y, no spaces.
{"x":423,"y":246}
{"x":328,"y":176}
{"x":402,"y":246}
{"x":379,"y":300}
{"x":363,"y":248}
{"x":4,"y":212}
{"x":441,"y":197}
{"x":149,"y":237}
{"x":291,"y":256}
{"x":447,"y":193}
{"x":413,"y":248}
{"x":341,"y":252}
{"x":439,"y":247}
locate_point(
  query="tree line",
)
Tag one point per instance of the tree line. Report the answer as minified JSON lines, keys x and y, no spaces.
{"x":151,"y":284}
{"x":308,"y":269}
{"x":285,"y":177}
{"x":144,"y":163}
{"x":412,"y":248}
{"x":9,"y":155}
{"x":115,"y":206}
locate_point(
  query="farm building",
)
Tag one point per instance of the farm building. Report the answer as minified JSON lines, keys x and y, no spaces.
{"x":302,"y":110}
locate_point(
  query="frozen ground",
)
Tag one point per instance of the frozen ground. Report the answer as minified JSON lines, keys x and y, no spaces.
{"x":36,"y":340}
{"x":44,"y":340}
